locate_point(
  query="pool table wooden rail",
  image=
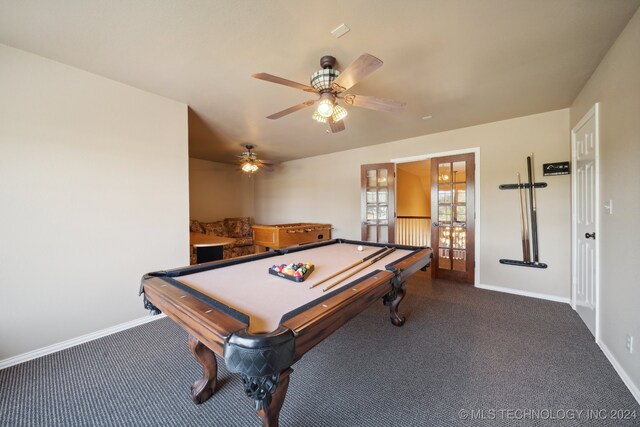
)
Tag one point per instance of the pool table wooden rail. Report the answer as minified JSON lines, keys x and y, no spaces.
{"x":312,"y":326}
{"x":410,"y":264}
{"x":212,"y":327}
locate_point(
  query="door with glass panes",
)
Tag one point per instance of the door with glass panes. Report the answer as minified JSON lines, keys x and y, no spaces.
{"x":453,"y":217}
{"x":377,"y":187}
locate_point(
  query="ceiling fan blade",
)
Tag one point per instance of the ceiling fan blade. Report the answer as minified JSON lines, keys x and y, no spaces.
{"x":281,"y":81}
{"x":291,"y":110}
{"x":266,"y":162}
{"x":359,"y":69}
{"x":375,"y":103}
{"x":336,"y":126}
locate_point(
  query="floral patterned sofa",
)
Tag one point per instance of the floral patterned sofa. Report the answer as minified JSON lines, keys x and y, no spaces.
{"x":235,"y":228}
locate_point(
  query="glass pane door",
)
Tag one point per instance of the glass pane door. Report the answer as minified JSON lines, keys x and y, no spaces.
{"x":452,"y":180}
{"x":378,"y":198}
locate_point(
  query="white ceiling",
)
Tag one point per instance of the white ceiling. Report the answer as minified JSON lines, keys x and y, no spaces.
{"x":464,"y":62}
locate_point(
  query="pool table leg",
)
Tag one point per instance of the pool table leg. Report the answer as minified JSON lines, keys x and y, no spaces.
{"x":270,"y":414}
{"x":202,"y":389}
{"x":394,"y":299}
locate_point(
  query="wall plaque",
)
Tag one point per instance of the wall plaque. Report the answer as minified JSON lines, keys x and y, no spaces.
{"x":558,"y":168}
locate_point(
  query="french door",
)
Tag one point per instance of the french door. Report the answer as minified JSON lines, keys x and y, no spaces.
{"x":377,"y":199}
{"x":453,"y":213}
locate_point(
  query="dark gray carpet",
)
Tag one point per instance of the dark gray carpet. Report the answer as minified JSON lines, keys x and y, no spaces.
{"x":511,"y":360}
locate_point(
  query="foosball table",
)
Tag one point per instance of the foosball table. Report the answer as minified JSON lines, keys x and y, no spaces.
{"x":281,"y":236}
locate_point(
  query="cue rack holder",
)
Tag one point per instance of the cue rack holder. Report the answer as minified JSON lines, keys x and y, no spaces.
{"x":528,"y":215}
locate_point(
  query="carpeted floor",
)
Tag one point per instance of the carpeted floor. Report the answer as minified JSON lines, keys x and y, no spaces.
{"x":465,"y":356}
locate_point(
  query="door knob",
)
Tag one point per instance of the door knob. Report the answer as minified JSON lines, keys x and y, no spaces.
{"x":590,"y":235}
{"x":435,"y":224}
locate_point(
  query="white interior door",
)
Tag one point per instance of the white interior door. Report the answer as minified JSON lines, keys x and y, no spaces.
{"x":584,"y":180}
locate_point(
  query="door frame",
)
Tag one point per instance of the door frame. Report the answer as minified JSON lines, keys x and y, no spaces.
{"x":476,"y":152}
{"x":593,"y":112}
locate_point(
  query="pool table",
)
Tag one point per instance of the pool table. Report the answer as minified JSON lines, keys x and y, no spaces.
{"x":261,"y":324}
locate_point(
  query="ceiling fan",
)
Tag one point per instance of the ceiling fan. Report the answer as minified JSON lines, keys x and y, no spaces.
{"x":249,"y":162}
{"x":330,"y":85}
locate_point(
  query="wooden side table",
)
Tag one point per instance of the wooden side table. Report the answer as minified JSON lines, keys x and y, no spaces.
{"x":208,"y":247}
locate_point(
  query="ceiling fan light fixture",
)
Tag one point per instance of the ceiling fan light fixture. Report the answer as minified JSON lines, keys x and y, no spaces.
{"x":318,"y":118}
{"x":339,"y":113}
{"x":249,"y":167}
{"x":326,"y":104}
{"x":249,"y":163}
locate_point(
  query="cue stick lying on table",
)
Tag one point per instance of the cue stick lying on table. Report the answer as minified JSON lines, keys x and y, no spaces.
{"x":362,"y":267}
{"x":349,"y":267}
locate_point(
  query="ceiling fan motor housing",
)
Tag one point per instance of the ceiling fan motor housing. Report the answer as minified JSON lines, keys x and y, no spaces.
{"x":249,"y":155}
{"x":327,"y":61}
{"x":321,"y":80}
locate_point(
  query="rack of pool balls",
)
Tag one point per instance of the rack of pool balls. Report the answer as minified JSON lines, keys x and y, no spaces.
{"x":296,"y":272}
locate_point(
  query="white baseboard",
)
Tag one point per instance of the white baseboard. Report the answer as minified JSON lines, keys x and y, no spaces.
{"x":633,"y":388}
{"x":524,"y":293}
{"x":15,"y":360}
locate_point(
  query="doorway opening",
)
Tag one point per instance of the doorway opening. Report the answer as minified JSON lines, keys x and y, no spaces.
{"x":421,"y":187}
{"x":413,"y":203}
{"x":447,"y":204}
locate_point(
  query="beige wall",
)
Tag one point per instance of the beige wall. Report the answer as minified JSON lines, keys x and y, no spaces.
{"x":327,"y":189}
{"x":93,"y":183}
{"x":218,"y":191}
{"x":616,"y":86}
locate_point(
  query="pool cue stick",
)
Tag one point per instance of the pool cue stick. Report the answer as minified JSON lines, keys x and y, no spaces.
{"x":362,"y":267}
{"x":524,"y":223}
{"x":532,"y":201}
{"x":349,"y":267}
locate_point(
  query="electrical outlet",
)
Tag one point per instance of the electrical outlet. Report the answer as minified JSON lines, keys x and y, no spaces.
{"x":629,"y":343}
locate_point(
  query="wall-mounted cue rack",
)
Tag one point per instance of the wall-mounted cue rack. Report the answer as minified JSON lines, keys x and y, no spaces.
{"x":528,"y":214}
